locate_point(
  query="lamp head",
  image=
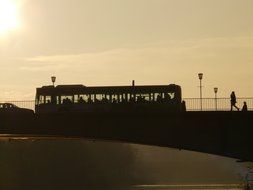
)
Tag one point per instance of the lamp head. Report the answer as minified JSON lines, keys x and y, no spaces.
{"x":200,"y":76}
{"x":53,"y":79}
{"x":215,"y":90}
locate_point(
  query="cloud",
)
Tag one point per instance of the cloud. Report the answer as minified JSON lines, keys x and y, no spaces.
{"x":158,"y":53}
{"x":158,"y":60}
{"x":226,"y":62}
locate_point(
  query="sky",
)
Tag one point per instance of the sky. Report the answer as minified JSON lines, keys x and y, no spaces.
{"x":95,"y":42}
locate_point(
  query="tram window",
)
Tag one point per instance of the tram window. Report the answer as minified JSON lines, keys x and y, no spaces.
{"x":66,"y":99}
{"x":98,"y":97}
{"x":172,"y":95}
{"x":139,"y":97}
{"x":108,"y":97}
{"x":119,"y":97}
{"x":128,"y":96}
{"x":84,"y":97}
{"x":75,"y":98}
{"x":48,"y":99}
{"x":146,"y":97}
{"x":125,"y":99}
{"x":89,"y":98}
{"x":131,"y":97}
{"x":105,"y":98}
{"x":41,"y":99}
{"x":152,"y":97}
{"x":58,"y":100}
{"x":92,"y":97}
{"x":158,"y":96}
{"x":114,"y":98}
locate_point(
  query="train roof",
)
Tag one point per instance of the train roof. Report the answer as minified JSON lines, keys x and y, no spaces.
{"x":81,"y":89}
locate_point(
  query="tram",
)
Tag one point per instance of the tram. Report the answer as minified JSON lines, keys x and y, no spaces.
{"x":106,"y":99}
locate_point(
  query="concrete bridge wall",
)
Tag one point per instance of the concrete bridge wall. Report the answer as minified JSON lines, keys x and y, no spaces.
{"x":222,"y":133}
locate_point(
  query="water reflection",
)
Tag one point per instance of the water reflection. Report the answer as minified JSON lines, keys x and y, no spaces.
{"x":88,"y":164}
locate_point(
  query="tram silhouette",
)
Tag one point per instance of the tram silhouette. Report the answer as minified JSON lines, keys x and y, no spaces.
{"x":107,"y":99}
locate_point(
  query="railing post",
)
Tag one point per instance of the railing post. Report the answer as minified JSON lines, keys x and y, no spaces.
{"x":200,"y":95}
{"x":215,"y":92}
{"x":216,"y":102}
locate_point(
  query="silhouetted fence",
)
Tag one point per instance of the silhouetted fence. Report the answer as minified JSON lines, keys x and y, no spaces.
{"x":192,"y":104}
{"x":212,"y":104}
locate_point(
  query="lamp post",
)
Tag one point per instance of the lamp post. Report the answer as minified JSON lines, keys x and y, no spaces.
{"x":53,"y":79}
{"x":200,"y":75}
{"x":215,"y":92}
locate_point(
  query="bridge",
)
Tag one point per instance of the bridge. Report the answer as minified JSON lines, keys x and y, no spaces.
{"x":217,"y":132}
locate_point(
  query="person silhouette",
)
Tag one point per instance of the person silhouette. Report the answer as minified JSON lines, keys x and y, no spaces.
{"x":245,"y":107}
{"x":183,"y":106}
{"x":81,"y":100}
{"x":233,"y":101}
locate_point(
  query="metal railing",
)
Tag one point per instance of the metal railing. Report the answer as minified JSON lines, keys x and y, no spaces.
{"x":192,"y":104}
{"x":212,"y":104}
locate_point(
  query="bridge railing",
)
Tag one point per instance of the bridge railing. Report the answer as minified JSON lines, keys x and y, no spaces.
{"x":212,"y":104}
{"x":192,"y":104}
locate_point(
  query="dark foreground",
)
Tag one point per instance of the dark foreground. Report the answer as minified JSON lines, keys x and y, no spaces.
{"x":221,"y":133}
{"x":99,"y":165}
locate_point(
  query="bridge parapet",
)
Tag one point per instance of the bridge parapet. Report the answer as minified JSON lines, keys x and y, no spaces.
{"x":222,"y":133}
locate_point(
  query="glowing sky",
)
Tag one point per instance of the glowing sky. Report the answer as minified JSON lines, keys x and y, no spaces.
{"x":8,"y":16}
{"x":111,"y":42}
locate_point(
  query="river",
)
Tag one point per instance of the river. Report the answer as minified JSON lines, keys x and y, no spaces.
{"x":88,"y":164}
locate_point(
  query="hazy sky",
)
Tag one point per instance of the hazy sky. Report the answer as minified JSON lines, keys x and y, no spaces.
{"x":97,"y":42}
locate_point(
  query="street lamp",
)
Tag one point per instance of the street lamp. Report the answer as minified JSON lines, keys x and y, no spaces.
{"x":200,"y":75}
{"x":53,"y":79}
{"x":215,"y":92}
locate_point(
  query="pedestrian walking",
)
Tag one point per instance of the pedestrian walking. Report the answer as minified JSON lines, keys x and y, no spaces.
{"x":233,"y":101}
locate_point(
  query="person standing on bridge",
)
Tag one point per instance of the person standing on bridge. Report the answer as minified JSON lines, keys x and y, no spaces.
{"x":245,"y":107}
{"x":233,"y":101}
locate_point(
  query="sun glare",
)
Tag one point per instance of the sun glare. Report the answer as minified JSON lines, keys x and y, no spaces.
{"x":8,"y":16}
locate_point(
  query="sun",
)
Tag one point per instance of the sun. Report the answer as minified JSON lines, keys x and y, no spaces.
{"x":8,"y":16}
